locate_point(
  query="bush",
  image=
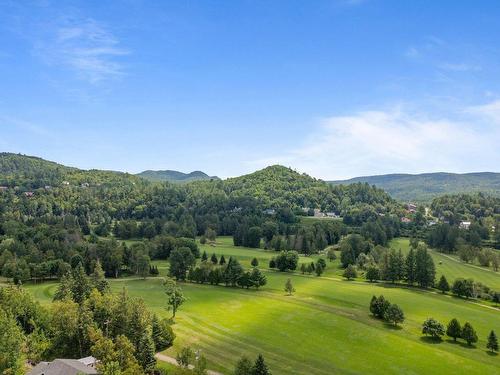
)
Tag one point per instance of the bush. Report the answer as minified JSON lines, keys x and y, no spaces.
{"x":433,"y":328}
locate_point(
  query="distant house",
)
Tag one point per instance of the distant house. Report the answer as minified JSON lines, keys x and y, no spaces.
{"x":65,"y":183}
{"x":4,"y":188}
{"x":432,"y":223}
{"x":48,"y":187}
{"x":66,"y":367}
{"x":464,"y":224}
{"x":331,"y":214}
{"x":411,"y":207}
{"x":29,"y":193}
{"x":405,"y":220}
{"x":318,"y":213}
{"x":269,"y":211}
{"x":85,"y":185}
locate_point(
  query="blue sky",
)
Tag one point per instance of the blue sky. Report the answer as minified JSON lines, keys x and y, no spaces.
{"x":332,"y":88}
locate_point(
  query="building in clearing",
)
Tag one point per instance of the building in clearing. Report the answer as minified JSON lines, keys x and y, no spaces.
{"x":465,"y":224}
{"x":66,"y":367}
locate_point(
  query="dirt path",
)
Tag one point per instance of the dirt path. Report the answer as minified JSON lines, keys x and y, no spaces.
{"x":173,"y":361}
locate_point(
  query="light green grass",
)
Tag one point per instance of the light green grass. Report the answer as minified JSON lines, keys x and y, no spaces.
{"x":324,"y":328}
{"x":451,"y":267}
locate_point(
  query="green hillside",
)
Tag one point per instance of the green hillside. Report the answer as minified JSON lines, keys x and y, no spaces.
{"x":175,"y":176}
{"x":426,"y":186}
{"x":30,"y":172}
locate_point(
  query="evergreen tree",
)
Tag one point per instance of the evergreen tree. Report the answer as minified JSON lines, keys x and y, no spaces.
{"x":257,"y":278}
{"x":222,"y":260}
{"x":378,"y":306}
{"x":204,"y":256}
{"x":410,"y":267}
{"x":98,"y":280}
{"x":260,"y":367}
{"x":145,"y":352}
{"x":303,"y":268}
{"x":243,"y":367}
{"x":425,"y":270}
{"x":454,"y":329}
{"x":443,"y":285}
{"x":214,"y":259}
{"x":255,"y":262}
{"x":65,"y":288}
{"x":81,"y":285}
{"x":492,"y":343}
{"x":469,"y":334}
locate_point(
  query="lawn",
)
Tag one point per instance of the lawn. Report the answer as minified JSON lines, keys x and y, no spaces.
{"x":451,"y":267}
{"x":324,"y":328}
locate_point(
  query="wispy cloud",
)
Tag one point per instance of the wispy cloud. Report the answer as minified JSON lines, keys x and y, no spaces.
{"x":86,"y":47}
{"x":396,"y":140}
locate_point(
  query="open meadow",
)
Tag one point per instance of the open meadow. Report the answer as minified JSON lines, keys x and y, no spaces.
{"x":324,"y":328}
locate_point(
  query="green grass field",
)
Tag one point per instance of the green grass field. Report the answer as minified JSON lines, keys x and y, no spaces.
{"x":324,"y":328}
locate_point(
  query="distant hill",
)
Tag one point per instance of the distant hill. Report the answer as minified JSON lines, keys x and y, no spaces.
{"x":31,"y":172}
{"x":175,"y":176}
{"x":426,"y":186}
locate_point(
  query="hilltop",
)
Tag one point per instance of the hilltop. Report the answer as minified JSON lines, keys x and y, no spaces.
{"x":31,"y":172}
{"x":426,"y":186}
{"x":175,"y":176}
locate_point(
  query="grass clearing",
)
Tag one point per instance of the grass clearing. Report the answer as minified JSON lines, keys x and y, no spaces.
{"x":324,"y":328}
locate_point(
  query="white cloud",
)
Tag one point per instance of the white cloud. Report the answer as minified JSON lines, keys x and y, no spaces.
{"x":396,"y":141}
{"x":460,"y":67}
{"x":86,"y":47}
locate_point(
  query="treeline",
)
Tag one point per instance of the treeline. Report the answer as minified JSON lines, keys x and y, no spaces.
{"x":84,"y":319}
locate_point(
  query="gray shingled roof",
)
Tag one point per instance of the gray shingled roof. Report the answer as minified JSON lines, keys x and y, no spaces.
{"x":62,"y":367}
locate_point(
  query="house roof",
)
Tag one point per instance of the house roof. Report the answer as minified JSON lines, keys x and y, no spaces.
{"x":62,"y":367}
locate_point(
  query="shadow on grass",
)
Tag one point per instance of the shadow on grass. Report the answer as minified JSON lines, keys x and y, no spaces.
{"x":491,"y":354}
{"x":392,"y":326}
{"x":431,"y":340}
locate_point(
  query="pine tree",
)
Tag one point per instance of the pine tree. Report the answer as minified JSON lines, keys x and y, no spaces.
{"x":469,"y":334}
{"x":443,"y":285}
{"x":145,"y":352}
{"x":81,"y":286}
{"x":204,"y":256}
{"x":492,"y":344}
{"x":260,"y":367}
{"x":65,"y":288}
{"x":454,"y":329}
{"x":410,"y":267}
{"x":98,"y":280}
{"x":303,"y":268}
{"x":243,"y":367}
{"x":214,"y":259}
{"x":255,"y":262}
{"x":222,"y":260}
{"x":394,"y":314}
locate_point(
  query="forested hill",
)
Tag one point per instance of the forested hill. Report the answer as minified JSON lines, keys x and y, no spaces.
{"x":426,"y":186}
{"x":30,"y":172}
{"x":277,"y":186}
{"x":175,"y":176}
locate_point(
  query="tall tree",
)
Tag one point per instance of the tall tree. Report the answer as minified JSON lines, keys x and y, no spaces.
{"x":469,"y":334}
{"x":454,"y":329}
{"x":175,"y":297}
{"x":492,"y":343}
{"x":260,"y":367}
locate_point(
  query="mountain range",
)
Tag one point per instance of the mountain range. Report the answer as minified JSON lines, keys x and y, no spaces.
{"x":175,"y":176}
{"x":426,"y":186}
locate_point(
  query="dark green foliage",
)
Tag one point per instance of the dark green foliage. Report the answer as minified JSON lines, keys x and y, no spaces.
{"x":350,"y":272}
{"x":492,"y":344}
{"x":463,"y":288}
{"x":379,"y":306}
{"x":424,"y":268}
{"x":204,"y":256}
{"x":222,"y":260}
{"x":394,"y":314}
{"x":243,"y":367}
{"x":443,"y":285}
{"x":287,"y":261}
{"x":433,"y":328}
{"x":181,"y":260}
{"x":214,"y":259}
{"x":454,"y":329}
{"x":255,"y":262}
{"x":372,"y":273}
{"x":260,"y":367}
{"x":469,"y":334}
{"x":162,"y":333}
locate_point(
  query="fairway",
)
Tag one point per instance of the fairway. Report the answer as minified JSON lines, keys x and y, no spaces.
{"x":324,"y":328}
{"x":451,"y":267}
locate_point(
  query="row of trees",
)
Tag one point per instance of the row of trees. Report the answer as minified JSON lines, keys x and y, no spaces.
{"x":436,"y":330}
